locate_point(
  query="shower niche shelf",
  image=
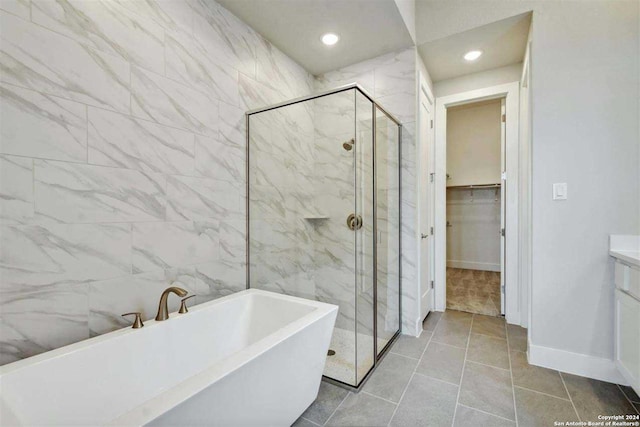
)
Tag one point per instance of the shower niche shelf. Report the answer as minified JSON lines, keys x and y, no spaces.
{"x":315,"y":216}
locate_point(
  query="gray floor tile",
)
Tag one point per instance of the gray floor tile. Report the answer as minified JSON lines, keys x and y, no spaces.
{"x":517,"y":338}
{"x":329,"y":397}
{"x":488,"y":325}
{"x":469,"y":417}
{"x":452,"y":333}
{"x":301,"y":422}
{"x":488,"y":389}
{"x":411,"y":346}
{"x":593,"y":398}
{"x":443,"y":362}
{"x":488,"y":350}
{"x":536,"y":378}
{"x":429,"y":324}
{"x":630,"y":393}
{"x":535,"y":409}
{"x":391,"y":377}
{"x":454,"y":316}
{"x":362,"y":409}
{"x":427,"y":402}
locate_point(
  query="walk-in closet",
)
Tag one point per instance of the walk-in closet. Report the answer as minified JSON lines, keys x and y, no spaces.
{"x":475,"y":206}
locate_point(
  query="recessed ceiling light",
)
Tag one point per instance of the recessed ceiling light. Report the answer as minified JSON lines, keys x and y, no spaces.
{"x":330,"y":39}
{"x":472,"y":55}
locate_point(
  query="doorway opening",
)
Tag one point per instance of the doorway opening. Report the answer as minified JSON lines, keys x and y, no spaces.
{"x":475,"y":207}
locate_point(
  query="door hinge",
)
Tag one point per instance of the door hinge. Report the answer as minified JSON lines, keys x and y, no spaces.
{"x":502,"y":232}
{"x":431,"y":231}
{"x":431,"y":124}
{"x":504,"y":118}
{"x":432,"y":284}
{"x":503,"y":175}
{"x":431,"y":175}
{"x":502,"y":288}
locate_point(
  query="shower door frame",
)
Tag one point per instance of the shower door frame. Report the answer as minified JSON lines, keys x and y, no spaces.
{"x":377,"y":357}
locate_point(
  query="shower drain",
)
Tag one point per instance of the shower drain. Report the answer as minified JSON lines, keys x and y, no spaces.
{"x":331,"y":352}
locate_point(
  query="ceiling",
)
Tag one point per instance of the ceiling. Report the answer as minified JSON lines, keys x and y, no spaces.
{"x":502,"y":42}
{"x":367,"y":28}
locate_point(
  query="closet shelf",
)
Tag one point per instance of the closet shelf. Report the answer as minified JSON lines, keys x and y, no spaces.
{"x":473,"y":187}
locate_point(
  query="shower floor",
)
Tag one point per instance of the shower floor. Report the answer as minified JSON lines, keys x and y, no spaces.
{"x":341,"y":366}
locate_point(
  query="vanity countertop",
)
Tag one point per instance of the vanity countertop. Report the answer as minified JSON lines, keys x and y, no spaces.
{"x":625,"y":248}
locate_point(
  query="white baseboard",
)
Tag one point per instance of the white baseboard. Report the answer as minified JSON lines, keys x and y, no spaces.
{"x":472,"y":265}
{"x":575,"y":363}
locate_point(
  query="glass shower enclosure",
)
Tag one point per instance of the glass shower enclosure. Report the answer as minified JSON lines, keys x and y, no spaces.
{"x":323,"y":217}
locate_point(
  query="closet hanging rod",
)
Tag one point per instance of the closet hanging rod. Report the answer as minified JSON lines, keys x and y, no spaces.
{"x":454,"y":187}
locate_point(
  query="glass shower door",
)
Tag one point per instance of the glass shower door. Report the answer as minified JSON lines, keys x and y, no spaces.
{"x":335,"y":148}
{"x":364,"y":236}
{"x":388,"y":228}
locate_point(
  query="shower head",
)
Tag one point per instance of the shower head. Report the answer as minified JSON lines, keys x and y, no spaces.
{"x":349,"y":144}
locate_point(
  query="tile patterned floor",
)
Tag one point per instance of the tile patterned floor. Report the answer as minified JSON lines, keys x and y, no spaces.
{"x":466,"y":370}
{"x":473,"y":291}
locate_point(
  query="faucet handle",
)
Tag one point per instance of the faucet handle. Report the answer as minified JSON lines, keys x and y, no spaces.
{"x":137,"y":323}
{"x":183,"y":304}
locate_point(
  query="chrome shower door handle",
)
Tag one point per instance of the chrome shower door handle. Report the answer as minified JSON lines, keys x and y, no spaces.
{"x":354,"y":222}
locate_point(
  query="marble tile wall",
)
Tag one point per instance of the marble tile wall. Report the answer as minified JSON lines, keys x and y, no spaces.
{"x":391,"y":80}
{"x":122,"y":159}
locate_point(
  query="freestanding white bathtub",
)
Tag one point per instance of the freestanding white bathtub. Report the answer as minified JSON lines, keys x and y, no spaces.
{"x":254,"y":358}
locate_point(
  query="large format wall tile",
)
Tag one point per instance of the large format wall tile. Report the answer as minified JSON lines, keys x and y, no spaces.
{"x":158,"y":246}
{"x":173,"y":15}
{"x":228,"y":39}
{"x":223,"y":161}
{"x":37,"y":319}
{"x":33,"y":256}
{"x":217,"y":279}
{"x":118,"y":140}
{"x":38,"y":59}
{"x":201,"y":198}
{"x":165,"y":101}
{"x":397,"y":75}
{"x":233,"y":243}
{"x":142,"y":294}
{"x":16,"y":189}
{"x":37,"y":125}
{"x":123,"y":162}
{"x":21,"y":8}
{"x":192,"y":62}
{"x":76,"y":193}
{"x":106,"y":26}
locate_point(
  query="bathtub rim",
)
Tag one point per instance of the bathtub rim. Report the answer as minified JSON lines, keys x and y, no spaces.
{"x":182,"y":391}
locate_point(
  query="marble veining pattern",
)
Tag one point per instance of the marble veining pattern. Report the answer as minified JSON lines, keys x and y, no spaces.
{"x":42,"y":60}
{"x":122,"y":160}
{"x":75,"y":193}
{"x":39,"y":125}
{"x":121,"y":141}
{"x":16,"y":189}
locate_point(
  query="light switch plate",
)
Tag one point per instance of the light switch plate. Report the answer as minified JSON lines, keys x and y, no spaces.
{"x":560,"y":191}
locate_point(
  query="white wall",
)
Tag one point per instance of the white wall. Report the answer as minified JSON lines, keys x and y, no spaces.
{"x":585,"y":133}
{"x":473,"y":144}
{"x":497,"y":76}
{"x":584,"y":81}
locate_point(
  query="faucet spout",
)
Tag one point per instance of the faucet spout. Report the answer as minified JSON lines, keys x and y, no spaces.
{"x":163,"y":310}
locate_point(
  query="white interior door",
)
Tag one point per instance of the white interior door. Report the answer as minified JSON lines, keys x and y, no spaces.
{"x":503,"y":204}
{"x":426,"y":197}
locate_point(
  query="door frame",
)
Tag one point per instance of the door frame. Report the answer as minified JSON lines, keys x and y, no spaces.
{"x":424,"y":190}
{"x":510,"y":91}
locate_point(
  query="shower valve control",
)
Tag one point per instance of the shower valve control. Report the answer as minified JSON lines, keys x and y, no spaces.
{"x":354,"y":222}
